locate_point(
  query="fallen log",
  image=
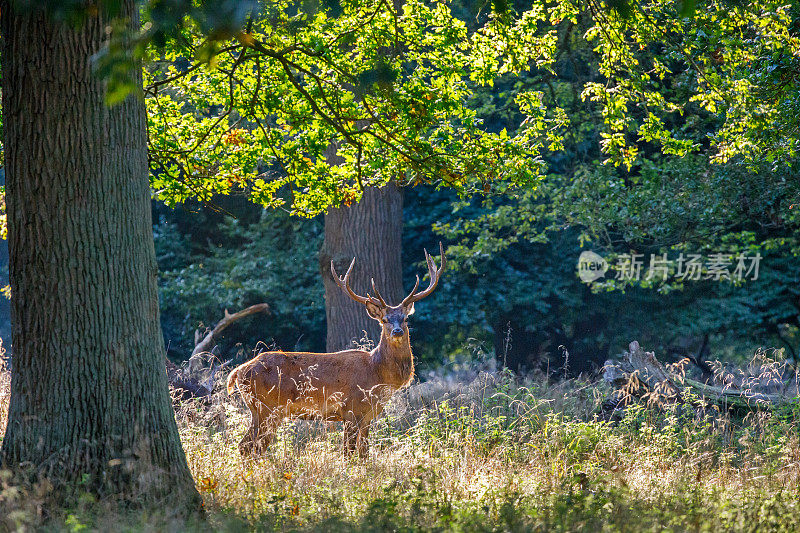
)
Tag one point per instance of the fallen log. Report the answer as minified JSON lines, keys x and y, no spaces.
{"x":727,"y":397}
{"x":640,"y":375}
{"x":183,"y":388}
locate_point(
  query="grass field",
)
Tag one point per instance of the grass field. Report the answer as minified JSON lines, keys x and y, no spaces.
{"x":484,"y":452}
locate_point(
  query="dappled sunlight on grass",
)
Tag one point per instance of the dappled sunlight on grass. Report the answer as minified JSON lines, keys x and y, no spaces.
{"x":508,"y":450}
{"x":492,"y":452}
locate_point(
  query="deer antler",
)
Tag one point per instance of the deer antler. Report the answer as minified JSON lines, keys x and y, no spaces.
{"x":378,"y":294}
{"x":434,"y":273}
{"x":344,"y":284}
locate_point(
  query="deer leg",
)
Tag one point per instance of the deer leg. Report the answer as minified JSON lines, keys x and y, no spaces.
{"x":362,"y":444}
{"x":258,"y":437}
{"x":356,"y":435}
{"x":350,"y":437}
{"x":266,"y":431}
{"x":247,"y":444}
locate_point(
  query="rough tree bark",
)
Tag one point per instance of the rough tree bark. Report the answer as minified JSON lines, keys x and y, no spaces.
{"x":371,"y":231}
{"x":89,"y":401}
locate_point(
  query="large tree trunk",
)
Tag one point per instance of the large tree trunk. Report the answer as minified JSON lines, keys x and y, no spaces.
{"x":370,"y":231}
{"x":89,"y":401}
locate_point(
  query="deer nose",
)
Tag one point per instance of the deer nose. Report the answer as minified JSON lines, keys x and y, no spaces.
{"x":397,"y":331}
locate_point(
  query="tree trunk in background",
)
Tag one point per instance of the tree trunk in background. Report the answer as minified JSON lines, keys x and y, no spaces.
{"x":89,"y":409}
{"x":370,"y":231}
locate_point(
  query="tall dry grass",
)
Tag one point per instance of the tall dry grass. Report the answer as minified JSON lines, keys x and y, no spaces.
{"x":488,"y":450}
{"x":494,"y":443}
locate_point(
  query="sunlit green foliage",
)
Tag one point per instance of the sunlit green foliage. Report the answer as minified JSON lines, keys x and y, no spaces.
{"x":387,"y":87}
{"x":732,"y":60}
{"x":691,"y":110}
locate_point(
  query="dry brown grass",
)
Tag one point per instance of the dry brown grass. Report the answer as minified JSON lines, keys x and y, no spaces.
{"x":481,"y":442}
{"x":493,"y":451}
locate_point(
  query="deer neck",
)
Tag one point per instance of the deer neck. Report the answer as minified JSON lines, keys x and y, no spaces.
{"x":394,"y":361}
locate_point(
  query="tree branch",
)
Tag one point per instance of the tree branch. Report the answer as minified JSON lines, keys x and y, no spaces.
{"x":205,"y":344}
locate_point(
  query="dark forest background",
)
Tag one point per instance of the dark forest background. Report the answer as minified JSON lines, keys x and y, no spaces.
{"x":511,"y":290}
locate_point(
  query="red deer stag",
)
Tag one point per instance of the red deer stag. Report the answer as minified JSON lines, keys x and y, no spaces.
{"x":351,"y":386}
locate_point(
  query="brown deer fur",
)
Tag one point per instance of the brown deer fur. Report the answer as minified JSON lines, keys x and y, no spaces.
{"x":351,"y":386}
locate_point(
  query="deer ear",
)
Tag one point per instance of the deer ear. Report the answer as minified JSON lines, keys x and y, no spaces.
{"x":375,"y":311}
{"x":409,"y":309}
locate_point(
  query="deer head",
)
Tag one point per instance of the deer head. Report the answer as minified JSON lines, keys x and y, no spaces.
{"x":393,"y":319}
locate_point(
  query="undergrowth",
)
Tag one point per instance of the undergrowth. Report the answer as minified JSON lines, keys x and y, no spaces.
{"x":488,"y":452}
